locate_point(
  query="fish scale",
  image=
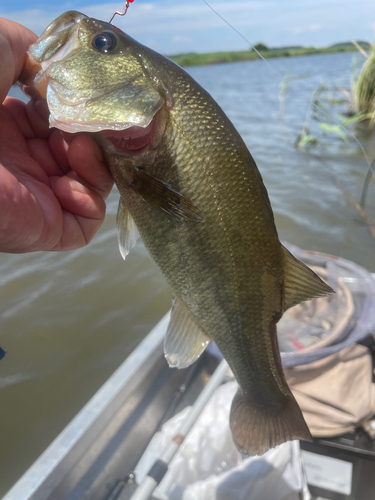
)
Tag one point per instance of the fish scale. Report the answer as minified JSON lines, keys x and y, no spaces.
{"x":199,"y":203}
{"x":190,"y":176}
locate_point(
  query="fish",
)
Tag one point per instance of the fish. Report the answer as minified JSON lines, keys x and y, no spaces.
{"x":191,"y":189}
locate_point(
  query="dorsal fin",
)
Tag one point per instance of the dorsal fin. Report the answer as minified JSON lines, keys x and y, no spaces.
{"x":127,"y":231}
{"x":300,"y":282}
{"x":185,"y":339}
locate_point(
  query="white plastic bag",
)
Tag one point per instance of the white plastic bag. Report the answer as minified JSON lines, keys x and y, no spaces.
{"x":208,"y":466}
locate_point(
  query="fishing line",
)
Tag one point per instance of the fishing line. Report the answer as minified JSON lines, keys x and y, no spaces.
{"x":244,"y":38}
{"x":312,"y":103}
{"x":118,"y":13}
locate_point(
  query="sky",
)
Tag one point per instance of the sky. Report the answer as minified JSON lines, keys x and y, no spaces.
{"x":180,"y":26}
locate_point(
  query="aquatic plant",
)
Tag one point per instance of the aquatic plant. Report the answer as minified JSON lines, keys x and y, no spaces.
{"x":321,"y":109}
{"x":363,"y":89}
{"x":358,"y":101}
{"x":336,"y":109}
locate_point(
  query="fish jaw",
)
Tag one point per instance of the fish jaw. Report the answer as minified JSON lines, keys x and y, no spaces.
{"x":57,"y":40}
{"x":65,"y":67}
{"x":135,"y":107}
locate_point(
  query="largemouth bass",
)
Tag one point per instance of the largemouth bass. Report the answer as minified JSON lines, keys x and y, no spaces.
{"x":191,"y":188}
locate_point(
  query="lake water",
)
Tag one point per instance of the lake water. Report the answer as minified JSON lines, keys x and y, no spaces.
{"x":67,"y":320}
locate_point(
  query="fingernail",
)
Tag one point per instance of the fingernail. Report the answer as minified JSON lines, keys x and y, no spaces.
{"x":42,"y":108}
{"x":77,"y":186}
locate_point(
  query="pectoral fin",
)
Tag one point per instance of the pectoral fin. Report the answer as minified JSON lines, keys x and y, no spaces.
{"x":127,"y":231}
{"x":300,"y":282}
{"x":185,"y":339}
{"x":164,"y":197}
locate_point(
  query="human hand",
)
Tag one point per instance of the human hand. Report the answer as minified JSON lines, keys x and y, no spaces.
{"x":52,"y":186}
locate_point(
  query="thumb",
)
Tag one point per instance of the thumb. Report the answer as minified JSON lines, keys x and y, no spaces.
{"x":14,"y":42}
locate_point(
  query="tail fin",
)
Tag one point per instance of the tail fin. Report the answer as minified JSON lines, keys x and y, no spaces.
{"x":256,"y":429}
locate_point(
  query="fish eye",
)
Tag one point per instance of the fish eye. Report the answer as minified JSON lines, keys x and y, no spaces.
{"x":104,"y":42}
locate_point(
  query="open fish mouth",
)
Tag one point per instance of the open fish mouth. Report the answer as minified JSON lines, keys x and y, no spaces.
{"x":132,"y":140}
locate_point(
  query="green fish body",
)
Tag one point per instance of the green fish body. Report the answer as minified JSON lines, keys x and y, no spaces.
{"x":192,"y":190}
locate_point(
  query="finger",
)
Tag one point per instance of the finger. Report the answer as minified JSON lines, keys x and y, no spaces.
{"x":34,"y":219}
{"x":86,"y":161}
{"x":82,"y":203}
{"x":40,"y":151}
{"x":77,"y":231}
{"x":42,"y":108}
{"x":68,"y":137}
{"x":14,"y":41}
{"x":17,"y":109}
{"x":21,"y":221}
{"x":59,"y":149}
{"x":37,"y":113}
{"x":11,"y":138}
{"x":77,"y":198}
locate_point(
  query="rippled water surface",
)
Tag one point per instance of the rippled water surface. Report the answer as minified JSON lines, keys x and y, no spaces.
{"x":67,"y":320}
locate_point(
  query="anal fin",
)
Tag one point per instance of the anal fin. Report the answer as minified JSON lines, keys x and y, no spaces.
{"x":185,"y":339}
{"x":300,"y":282}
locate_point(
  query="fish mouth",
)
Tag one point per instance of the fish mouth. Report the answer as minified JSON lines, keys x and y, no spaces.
{"x":132,"y":140}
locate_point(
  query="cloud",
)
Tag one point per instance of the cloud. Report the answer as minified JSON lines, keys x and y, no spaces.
{"x":35,"y":19}
{"x":182,"y":39}
{"x":201,"y":28}
{"x":151,"y":17}
{"x":312,"y":27}
{"x":194,"y":27}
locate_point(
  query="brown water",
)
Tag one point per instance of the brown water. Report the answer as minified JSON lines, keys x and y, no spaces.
{"x":67,"y":320}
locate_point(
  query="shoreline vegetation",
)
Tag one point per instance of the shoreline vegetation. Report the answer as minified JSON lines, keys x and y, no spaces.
{"x":195,"y":59}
